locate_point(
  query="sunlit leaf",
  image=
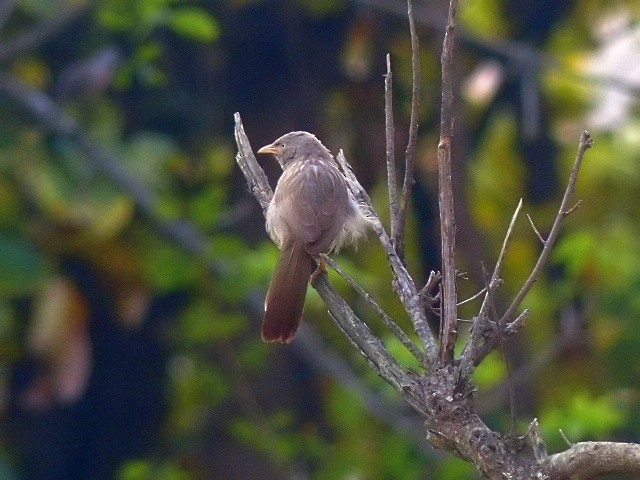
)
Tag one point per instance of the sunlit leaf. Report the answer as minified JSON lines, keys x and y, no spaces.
{"x":195,"y":23}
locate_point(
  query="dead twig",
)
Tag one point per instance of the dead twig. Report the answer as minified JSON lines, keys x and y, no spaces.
{"x":470,"y":352}
{"x":386,"y":319}
{"x":390,"y":142}
{"x":585,"y":143}
{"x":399,"y":228}
{"x":535,"y":230}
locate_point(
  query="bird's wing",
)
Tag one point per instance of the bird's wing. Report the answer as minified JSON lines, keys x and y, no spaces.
{"x":317,"y":200}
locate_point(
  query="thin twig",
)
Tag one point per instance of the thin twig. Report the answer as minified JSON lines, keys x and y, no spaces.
{"x":432,"y":281}
{"x":390,"y":141}
{"x":572,"y":209}
{"x":403,"y":284}
{"x":468,"y":361}
{"x":533,"y":226}
{"x":564,"y":437}
{"x":445,"y":188}
{"x":585,"y":143}
{"x":520,"y":55}
{"x":361,"y":336}
{"x":399,"y":231}
{"x":473,"y":297}
{"x":386,"y":319}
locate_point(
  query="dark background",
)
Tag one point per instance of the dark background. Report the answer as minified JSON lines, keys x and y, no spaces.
{"x":133,"y":260}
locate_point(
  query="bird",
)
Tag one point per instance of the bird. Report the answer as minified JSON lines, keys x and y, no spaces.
{"x":312,"y":212}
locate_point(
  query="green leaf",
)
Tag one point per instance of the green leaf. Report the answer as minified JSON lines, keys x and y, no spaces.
{"x":195,"y":23}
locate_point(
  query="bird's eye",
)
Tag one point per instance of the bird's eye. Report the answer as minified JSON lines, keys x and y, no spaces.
{"x":282,"y":145}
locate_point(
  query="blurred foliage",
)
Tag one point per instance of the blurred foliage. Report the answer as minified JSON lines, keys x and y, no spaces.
{"x":164,"y":109}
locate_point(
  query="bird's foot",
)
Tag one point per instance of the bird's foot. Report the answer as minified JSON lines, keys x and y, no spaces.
{"x":320,"y":269}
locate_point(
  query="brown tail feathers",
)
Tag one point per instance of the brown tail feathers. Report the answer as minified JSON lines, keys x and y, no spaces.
{"x":285,"y":298}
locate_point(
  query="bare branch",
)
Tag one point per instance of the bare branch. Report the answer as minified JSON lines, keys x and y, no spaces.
{"x":255,"y":176}
{"x":495,"y":276}
{"x":471,"y":350}
{"x":432,"y":281}
{"x":445,"y":188}
{"x":585,"y":143}
{"x":575,"y":207}
{"x":399,"y":230}
{"x":564,"y":437}
{"x":390,"y":141}
{"x":361,"y":337}
{"x":403,"y":284}
{"x":386,"y":319}
{"x":391,"y":411}
{"x":594,"y":459}
{"x":473,"y":297}
{"x":537,"y":443}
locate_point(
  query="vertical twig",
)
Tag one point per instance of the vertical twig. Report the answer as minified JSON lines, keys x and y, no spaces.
{"x":390,"y":140}
{"x":563,"y":211}
{"x":401,"y":219}
{"x":447,"y":220}
{"x":479,"y":325}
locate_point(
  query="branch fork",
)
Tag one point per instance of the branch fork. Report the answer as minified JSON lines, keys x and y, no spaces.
{"x":442,"y":392}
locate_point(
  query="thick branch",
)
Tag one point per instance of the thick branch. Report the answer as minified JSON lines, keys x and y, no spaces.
{"x":588,"y":460}
{"x":448,"y":310}
{"x":253,"y":173}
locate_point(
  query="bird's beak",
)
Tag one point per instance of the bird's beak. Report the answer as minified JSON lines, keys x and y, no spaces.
{"x":275,"y":149}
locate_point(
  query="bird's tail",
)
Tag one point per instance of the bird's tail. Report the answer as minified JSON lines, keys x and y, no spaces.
{"x":285,"y":298}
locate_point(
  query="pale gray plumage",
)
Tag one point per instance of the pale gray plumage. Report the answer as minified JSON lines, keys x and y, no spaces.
{"x":312,"y":212}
